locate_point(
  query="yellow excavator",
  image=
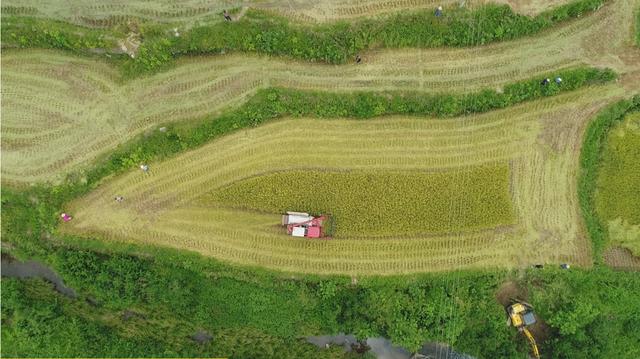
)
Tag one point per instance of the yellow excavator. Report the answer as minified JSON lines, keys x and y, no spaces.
{"x":521,"y":316}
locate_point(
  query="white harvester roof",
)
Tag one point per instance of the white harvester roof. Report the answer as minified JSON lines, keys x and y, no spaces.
{"x":298,"y":231}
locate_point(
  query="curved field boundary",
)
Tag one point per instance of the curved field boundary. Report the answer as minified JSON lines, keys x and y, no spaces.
{"x":60,"y":112}
{"x":540,"y":141}
{"x":111,"y":12}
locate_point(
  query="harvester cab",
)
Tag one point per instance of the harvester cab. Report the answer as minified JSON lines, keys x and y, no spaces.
{"x":521,"y":316}
{"x":301,"y":224}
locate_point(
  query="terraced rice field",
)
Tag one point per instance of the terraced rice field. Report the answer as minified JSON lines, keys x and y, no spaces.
{"x":111,"y":12}
{"x":538,"y":141}
{"x":60,"y":112}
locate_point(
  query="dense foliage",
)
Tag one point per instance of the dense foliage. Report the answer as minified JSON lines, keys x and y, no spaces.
{"x":594,"y":314}
{"x":37,"y":322}
{"x":266,"y":33}
{"x":254,"y":313}
{"x":362,"y":203}
{"x":590,"y":161}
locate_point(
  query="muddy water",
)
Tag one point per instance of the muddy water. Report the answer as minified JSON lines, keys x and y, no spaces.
{"x":383,"y":349}
{"x":33,"y":269}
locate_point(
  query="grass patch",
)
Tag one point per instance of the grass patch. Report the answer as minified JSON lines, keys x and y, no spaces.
{"x":383,"y":203}
{"x":618,"y":191}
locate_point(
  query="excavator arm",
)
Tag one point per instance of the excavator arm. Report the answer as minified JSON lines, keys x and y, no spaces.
{"x":532,"y":341}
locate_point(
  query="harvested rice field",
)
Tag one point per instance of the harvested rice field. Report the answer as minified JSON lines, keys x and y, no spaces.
{"x":61,"y":112}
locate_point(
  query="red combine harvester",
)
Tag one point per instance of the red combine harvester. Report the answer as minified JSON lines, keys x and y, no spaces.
{"x":300,"y":224}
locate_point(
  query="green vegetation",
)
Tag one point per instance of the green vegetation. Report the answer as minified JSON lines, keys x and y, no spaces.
{"x":25,"y":32}
{"x":590,"y":312}
{"x":590,"y":165}
{"x":38,"y":322}
{"x":333,"y":43}
{"x":618,"y":194}
{"x":252,"y":312}
{"x":383,"y":203}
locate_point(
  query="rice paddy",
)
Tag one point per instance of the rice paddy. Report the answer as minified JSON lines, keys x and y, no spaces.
{"x":492,"y":190}
{"x":539,"y":141}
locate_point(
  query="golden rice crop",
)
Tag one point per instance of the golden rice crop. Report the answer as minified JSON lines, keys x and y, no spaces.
{"x":383,"y":203}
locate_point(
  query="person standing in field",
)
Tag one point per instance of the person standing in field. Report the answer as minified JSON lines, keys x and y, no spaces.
{"x":439,"y":11}
{"x":226,"y":15}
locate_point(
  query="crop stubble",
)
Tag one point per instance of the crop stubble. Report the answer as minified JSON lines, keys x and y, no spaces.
{"x":111,"y":12}
{"x":60,"y":112}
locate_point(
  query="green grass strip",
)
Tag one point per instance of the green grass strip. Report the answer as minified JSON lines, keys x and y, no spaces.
{"x":266,"y":33}
{"x":590,"y":161}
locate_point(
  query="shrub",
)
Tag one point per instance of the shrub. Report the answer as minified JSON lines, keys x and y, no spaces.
{"x":27,"y":32}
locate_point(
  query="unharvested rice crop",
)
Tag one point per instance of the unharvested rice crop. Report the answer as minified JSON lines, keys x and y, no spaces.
{"x":60,"y":112}
{"x":618,"y":193}
{"x":367,"y":204}
{"x":540,"y":141}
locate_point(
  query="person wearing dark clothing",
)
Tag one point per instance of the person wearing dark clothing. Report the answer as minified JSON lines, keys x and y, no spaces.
{"x":358,"y":59}
{"x":226,"y":15}
{"x":439,"y":11}
{"x":545,"y":82}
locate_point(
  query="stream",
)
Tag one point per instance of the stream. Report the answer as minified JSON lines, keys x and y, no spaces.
{"x":32,"y":269}
{"x":382,"y":348}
